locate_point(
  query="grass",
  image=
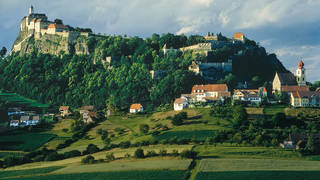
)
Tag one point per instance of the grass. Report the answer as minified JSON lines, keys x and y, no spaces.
{"x":10,"y":153}
{"x":197,"y":134}
{"x":174,"y":164}
{"x":18,"y":173}
{"x":20,"y":100}
{"x":24,"y":141}
{"x":259,"y":175}
{"x":271,"y":110}
{"x":218,"y":165}
{"x":227,"y":151}
{"x":141,"y":175}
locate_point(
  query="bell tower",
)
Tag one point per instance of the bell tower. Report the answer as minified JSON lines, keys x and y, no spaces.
{"x":31,"y":10}
{"x":301,"y":74}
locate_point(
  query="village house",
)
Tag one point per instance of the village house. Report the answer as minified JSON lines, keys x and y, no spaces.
{"x":180,"y":103}
{"x":14,"y":123}
{"x":29,"y":120}
{"x":65,"y":111}
{"x":135,"y":108}
{"x":305,"y":99}
{"x":15,"y":111}
{"x":210,"y":92}
{"x":297,"y":141}
{"x":252,"y":96}
{"x":239,"y":37}
{"x":88,"y":113}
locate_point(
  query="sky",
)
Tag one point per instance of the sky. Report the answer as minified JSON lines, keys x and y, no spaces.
{"x":288,"y":28}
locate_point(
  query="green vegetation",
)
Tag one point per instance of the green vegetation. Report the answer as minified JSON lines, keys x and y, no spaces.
{"x":143,"y":175}
{"x":18,"y":173}
{"x":24,"y":141}
{"x":13,"y":98}
{"x":200,"y":135}
{"x":259,"y":175}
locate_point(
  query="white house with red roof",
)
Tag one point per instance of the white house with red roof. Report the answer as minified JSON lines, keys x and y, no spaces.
{"x":135,"y":108}
{"x":180,"y":103}
{"x":210,"y":92}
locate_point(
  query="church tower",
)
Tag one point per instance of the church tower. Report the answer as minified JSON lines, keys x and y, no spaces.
{"x":31,"y":10}
{"x":301,"y":74}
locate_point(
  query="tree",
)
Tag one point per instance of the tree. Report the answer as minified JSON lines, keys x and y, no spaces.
{"x":177,"y":119}
{"x":144,"y":128}
{"x":88,"y":160}
{"x":239,"y":117}
{"x":279,"y":120}
{"x":58,"y":21}
{"x":3,"y":52}
{"x":139,"y":153}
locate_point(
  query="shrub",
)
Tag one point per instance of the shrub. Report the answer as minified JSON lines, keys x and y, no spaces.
{"x":91,"y":149}
{"x":53,"y":156}
{"x":125,"y":144}
{"x":127,"y":155}
{"x":39,"y":158}
{"x":188,"y":154}
{"x":163,"y":152}
{"x":139,"y":153}
{"x":151,"y":153}
{"x":88,"y":160}
{"x":73,"y":153}
{"x":65,"y":130}
{"x":175,"y":152}
{"x":144,"y":128}
{"x":110,"y":157}
{"x":177,"y":119}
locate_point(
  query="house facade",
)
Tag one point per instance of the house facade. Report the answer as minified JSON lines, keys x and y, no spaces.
{"x":305,"y":99}
{"x":247,"y":95}
{"x":180,"y":103}
{"x":210,"y":92}
{"x":135,"y":108}
{"x":65,"y":111}
{"x":88,"y":113}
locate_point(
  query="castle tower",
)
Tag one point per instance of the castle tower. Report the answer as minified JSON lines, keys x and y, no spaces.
{"x":31,"y":10}
{"x":301,"y":74}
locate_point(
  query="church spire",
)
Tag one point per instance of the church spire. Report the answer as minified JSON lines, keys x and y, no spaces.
{"x":31,"y":10}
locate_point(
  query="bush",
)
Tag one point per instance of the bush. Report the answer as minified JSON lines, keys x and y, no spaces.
{"x":127,"y":155}
{"x":177,"y":119}
{"x":38,"y":158}
{"x":91,"y":149}
{"x":65,"y":130}
{"x":53,"y":156}
{"x":88,"y":160}
{"x":144,"y":128}
{"x":110,"y":157}
{"x":124,"y":144}
{"x":139,"y":153}
{"x":163,"y":152}
{"x":188,"y":154}
{"x":175,"y":152}
{"x":73,"y":153}
{"x":151,"y":153}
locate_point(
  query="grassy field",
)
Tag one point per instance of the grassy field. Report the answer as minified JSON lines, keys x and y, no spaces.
{"x":20,"y":100}
{"x":257,"y":169}
{"x":259,"y":175}
{"x":174,"y":164}
{"x":197,"y":134}
{"x":18,"y":173}
{"x":24,"y":141}
{"x":141,"y":175}
{"x":229,"y":151}
{"x":271,"y":110}
{"x":11,"y":153}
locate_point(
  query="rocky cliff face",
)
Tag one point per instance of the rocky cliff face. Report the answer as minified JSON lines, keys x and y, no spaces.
{"x":50,"y":44}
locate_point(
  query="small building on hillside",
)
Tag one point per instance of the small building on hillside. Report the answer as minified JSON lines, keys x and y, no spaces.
{"x":180,"y":103}
{"x":14,"y":123}
{"x":53,"y":28}
{"x":239,"y":37}
{"x":65,"y":111}
{"x":15,"y":111}
{"x":247,"y":95}
{"x":210,"y":92}
{"x":88,"y":113}
{"x":305,"y":99}
{"x":135,"y":108}
{"x":30,"y":120}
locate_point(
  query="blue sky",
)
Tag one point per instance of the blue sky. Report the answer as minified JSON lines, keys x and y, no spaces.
{"x":289,"y":28}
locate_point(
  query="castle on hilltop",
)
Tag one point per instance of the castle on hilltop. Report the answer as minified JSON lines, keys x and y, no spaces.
{"x":37,"y":25}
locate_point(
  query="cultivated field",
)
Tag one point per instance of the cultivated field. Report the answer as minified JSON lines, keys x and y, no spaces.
{"x":257,"y":169}
{"x":20,"y":100}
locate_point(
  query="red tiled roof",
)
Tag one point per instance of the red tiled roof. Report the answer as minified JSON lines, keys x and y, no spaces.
{"x":238,"y":35}
{"x":210,"y":87}
{"x":63,"y":108}
{"x":300,"y":64}
{"x":294,"y":88}
{"x":305,"y":94}
{"x":135,"y":106}
{"x":179,"y":101}
{"x":57,"y":26}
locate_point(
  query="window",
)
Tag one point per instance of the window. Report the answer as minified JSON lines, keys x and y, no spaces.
{"x":302,"y":79}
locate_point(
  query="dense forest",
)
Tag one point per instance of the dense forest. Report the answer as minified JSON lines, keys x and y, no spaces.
{"x":70,"y":79}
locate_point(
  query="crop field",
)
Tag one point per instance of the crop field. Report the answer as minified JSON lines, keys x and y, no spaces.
{"x":257,"y":169}
{"x":229,"y":151}
{"x":259,"y":175}
{"x":18,"y":173}
{"x":198,"y":135}
{"x":141,"y":175}
{"x":20,"y":100}
{"x":24,"y":141}
{"x":174,"y":164}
